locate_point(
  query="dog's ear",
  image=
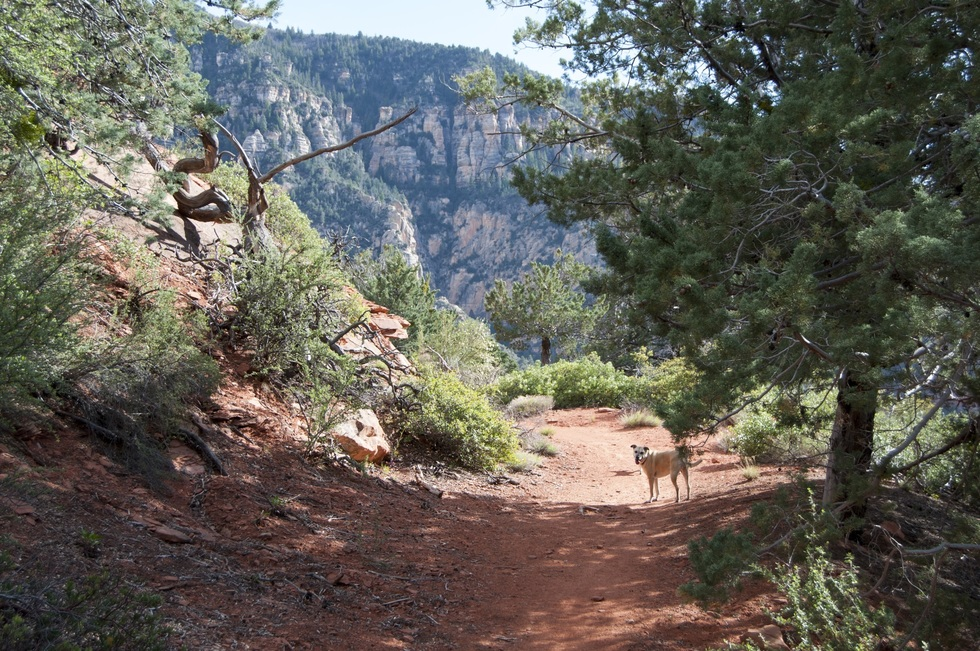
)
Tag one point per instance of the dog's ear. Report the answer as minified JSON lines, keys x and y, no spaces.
{"x":634,"y":447}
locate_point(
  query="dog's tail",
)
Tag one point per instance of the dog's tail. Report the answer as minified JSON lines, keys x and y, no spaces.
{"x":691,"y":465}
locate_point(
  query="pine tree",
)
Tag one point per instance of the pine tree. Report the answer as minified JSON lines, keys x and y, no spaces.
{"x":786,"y":190}
{"x":547,"y":306}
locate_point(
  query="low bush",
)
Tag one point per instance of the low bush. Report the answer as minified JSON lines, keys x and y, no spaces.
{"x":754,"y":435}
{"x":783,"y":427}
{"x":539,"y":444}
{"x":826,"y":610}
{"x":459,"y":423}
{"x":138,"y":378}
{"x":523,"y":462}
{"x":99,"y":612}
{"x":529,"y":406}
{"x":288,"y":303}
{"x":43,"y":282}
{"x":462,"y":345}
{"x":719,"y":563}
{"x":666,"y":381}
{"x":586,"y":382}
{"x":544,"y":448}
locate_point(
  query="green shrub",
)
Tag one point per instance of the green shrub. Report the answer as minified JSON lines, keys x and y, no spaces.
{"x":328,"y":391}
{"x":42,"y":281}
{"x":463,"y":346}
{"x":390,"y":280}
{"x":291,"y":304}
{"x":586,"y":382}
{"x":719,"y":563}
{"x":135,"y":388}
{"x":826,"y":610}
{"x":533,"y":381}
{"x":99,"y":612}
{"x":783,"y":426}
{"x":291,"y":300}
{"x":754,"y":434}
{"x":460,"y":423}
{"x":287,"y":303}
{"x":667,"y":380}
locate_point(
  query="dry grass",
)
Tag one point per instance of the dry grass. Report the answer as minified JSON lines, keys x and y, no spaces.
{"x":639,"y":418}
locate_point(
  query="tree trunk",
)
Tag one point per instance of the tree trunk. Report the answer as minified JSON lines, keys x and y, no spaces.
{"x":851,"y":444}
{"x":545,"y":351}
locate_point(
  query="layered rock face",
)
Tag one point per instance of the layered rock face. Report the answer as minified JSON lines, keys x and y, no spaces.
{"x":450,"y":207}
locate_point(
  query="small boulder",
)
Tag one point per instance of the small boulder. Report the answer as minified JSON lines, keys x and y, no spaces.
{"x":362,"y":437}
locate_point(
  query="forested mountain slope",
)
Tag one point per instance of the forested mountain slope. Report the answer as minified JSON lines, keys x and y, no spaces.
{"x":437,"y":186}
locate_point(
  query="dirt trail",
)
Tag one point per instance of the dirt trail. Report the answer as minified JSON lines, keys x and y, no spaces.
{"x":579,"y":562}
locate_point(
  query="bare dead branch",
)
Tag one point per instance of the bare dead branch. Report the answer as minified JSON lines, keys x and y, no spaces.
{"x":326,"y":150}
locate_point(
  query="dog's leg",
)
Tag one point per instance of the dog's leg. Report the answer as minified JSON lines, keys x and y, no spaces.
{"x":651,"y":481}
{"x":687,"y":481}
{"x":677,"y":491}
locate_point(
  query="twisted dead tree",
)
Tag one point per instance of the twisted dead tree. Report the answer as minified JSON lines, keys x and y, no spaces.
{"x":213,"y":205}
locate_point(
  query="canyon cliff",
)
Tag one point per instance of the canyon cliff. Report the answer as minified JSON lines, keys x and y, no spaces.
{"x":436,"y":186}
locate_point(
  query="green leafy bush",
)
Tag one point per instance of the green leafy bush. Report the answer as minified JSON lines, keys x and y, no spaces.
{"x":535,"y":380}
{"x":287,"y":304}
{"x":462,"y":345}
{"x":783,"y":427}
{"x":291,"y":299}
{"x":291,"y":304}
{"x":754,"y":434}
{"x":668,"y":379}
{"x":329,"y":391}
{"x":586,"y":382}
{"x":460,"y":423}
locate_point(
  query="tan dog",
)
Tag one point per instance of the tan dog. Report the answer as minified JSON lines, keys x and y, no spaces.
{"x":657,"y":464}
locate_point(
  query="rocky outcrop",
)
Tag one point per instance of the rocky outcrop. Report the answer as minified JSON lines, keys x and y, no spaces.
{"x":374,"y":338}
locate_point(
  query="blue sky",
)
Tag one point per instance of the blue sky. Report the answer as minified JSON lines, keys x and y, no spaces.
{"x":449,"y":22}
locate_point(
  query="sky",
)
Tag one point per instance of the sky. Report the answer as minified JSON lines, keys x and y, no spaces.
{"x":449,"y":22}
